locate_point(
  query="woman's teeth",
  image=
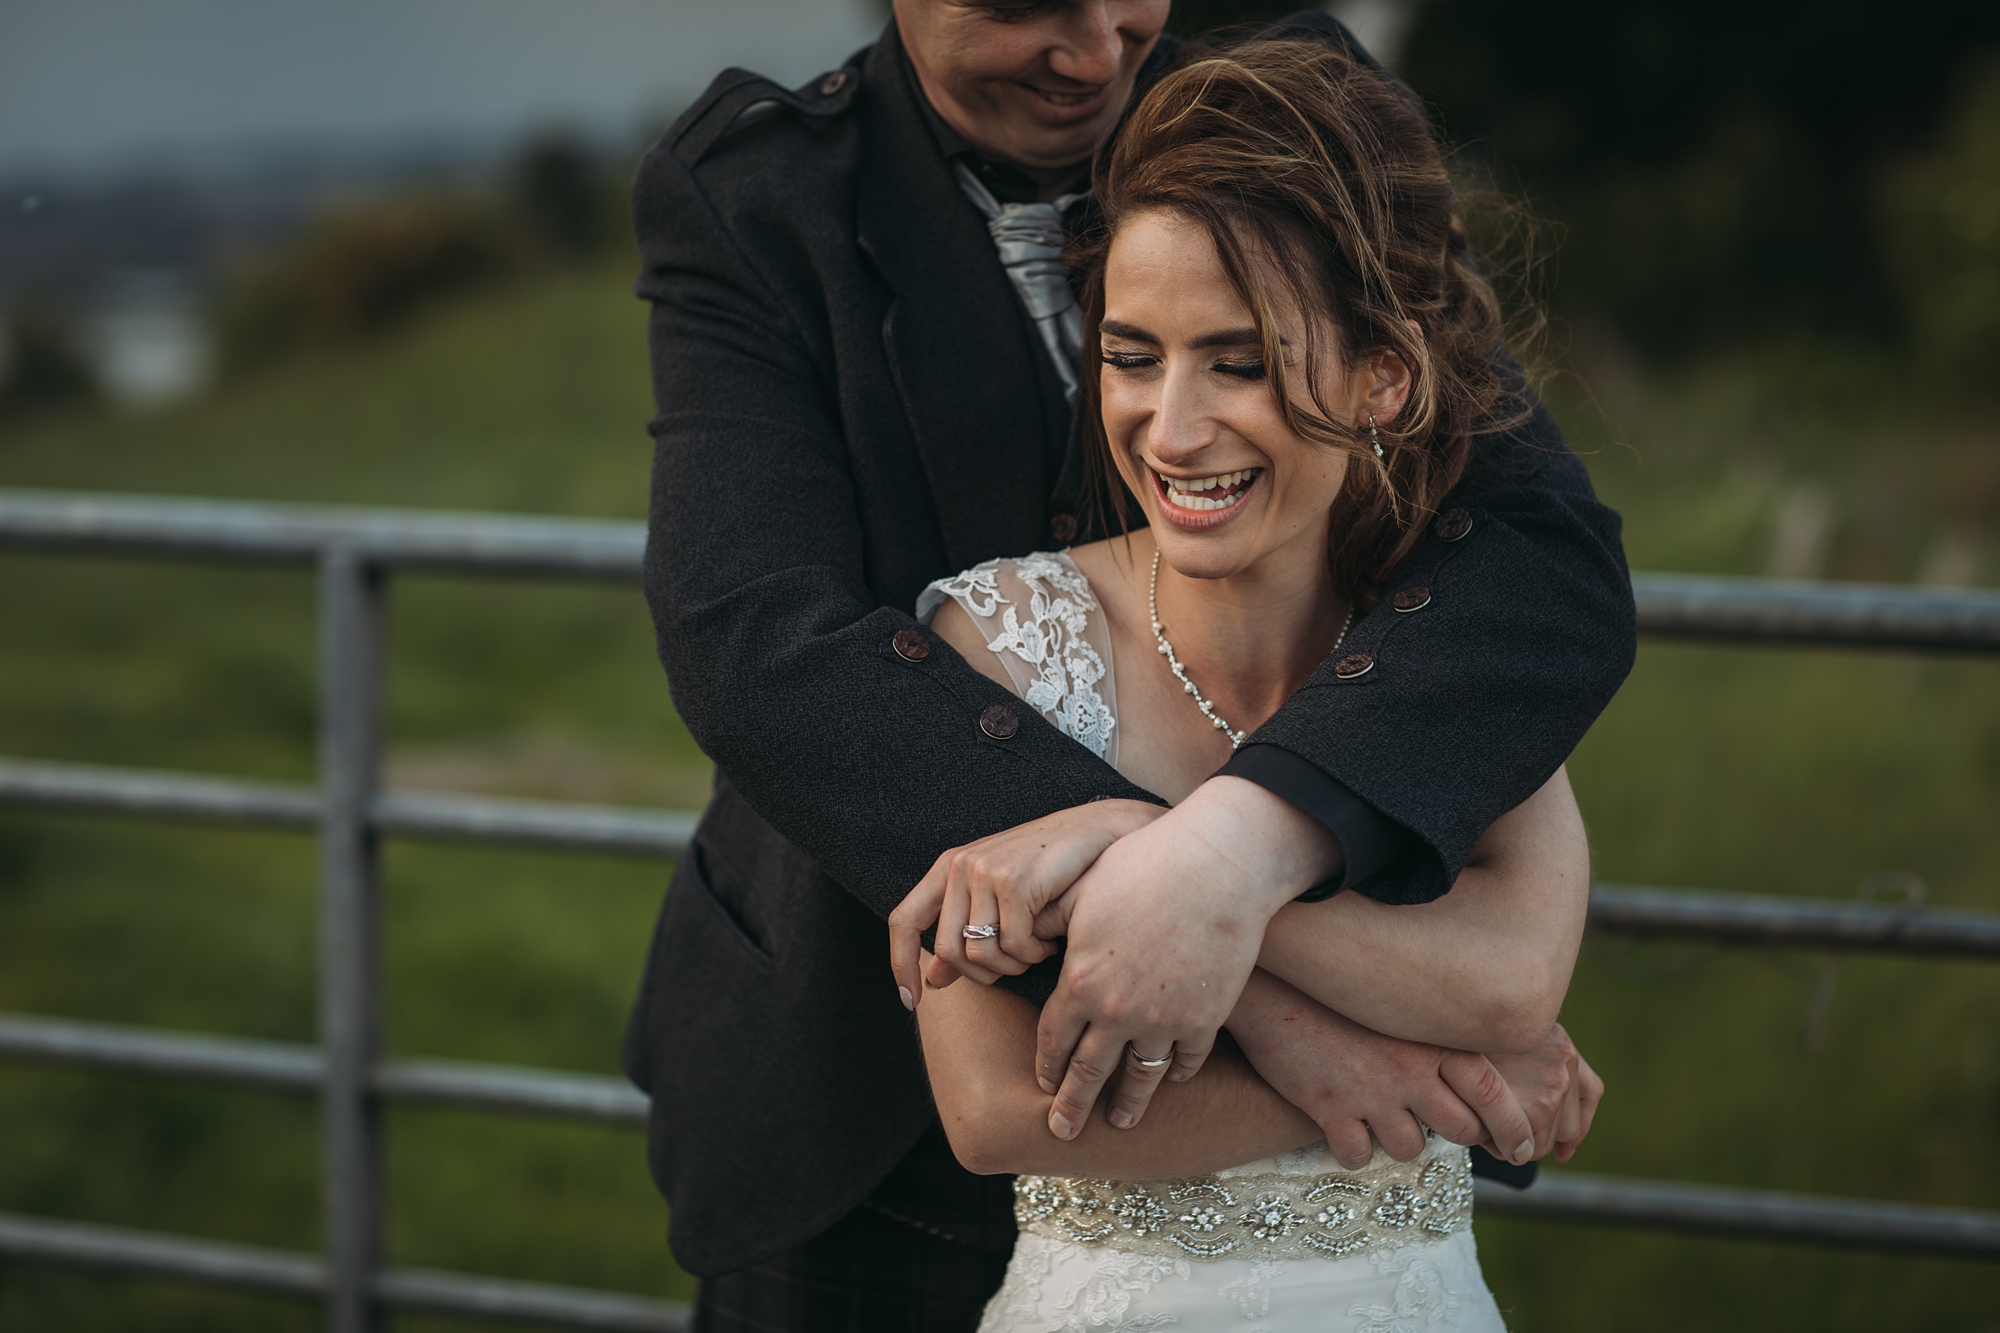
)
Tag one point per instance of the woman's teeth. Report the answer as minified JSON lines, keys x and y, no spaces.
{"x":1183,"y":492}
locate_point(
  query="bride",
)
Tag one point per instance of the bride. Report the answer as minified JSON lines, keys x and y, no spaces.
{"x":1297,"y":355}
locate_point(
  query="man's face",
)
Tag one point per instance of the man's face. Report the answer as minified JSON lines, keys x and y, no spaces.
{"x":1037,"y":83}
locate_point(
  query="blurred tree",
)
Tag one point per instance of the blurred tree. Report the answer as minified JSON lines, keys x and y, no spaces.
{"x":1942,"y":213}
{"x":41,"y":361}
{"x":559,"y":191}
{"x":1714,"y":165}
{"x":1192,"y":18}
{"x":361,"y":272}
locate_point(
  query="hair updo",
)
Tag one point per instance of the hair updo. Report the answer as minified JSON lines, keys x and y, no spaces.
{"x":1313,"y":171}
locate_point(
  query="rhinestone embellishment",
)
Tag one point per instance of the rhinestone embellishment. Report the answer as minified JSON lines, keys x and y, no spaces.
{"x":1264,"y":1216}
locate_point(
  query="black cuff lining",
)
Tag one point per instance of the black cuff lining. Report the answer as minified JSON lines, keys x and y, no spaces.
{"x":1370,"y":841}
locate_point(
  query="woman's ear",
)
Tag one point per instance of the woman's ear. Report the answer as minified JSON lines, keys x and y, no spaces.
{"x":1389,"y":386}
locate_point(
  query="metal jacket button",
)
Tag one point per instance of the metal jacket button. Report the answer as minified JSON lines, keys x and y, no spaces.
{"x":1411,"y":599}
{"x":1452,"y":524}
{"x":1063,"y":527}
{"x":1352,"y":665}
{"x":999,"y":721}
{"x":833,"y":83}
{"x":911,"y":645}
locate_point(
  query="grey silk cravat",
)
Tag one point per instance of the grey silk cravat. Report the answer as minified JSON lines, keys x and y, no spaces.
{"x":1029,"y":238}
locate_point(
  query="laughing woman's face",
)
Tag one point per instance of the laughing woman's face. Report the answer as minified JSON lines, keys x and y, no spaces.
{"x":1193,"y":424}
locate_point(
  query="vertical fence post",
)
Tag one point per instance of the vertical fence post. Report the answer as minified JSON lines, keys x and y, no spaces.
{"x":351,"y":627}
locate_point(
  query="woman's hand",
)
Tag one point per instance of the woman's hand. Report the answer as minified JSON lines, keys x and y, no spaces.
{"x":1559,"y":1089}
{"x":1003,"y":880}
{"x":1355,"y":1082}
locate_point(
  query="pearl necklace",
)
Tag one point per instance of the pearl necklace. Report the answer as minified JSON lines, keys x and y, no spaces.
{"x":1180,"y":672}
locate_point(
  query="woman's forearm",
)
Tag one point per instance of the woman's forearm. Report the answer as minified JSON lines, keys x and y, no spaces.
{"x":1483,"y":968}
{"x":979,"y":1046}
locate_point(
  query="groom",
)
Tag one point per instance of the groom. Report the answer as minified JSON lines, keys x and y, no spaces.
{"x":863,"y":386}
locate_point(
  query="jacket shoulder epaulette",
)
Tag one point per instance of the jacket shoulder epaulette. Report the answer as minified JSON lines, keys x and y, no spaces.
{"x":736,"y":91}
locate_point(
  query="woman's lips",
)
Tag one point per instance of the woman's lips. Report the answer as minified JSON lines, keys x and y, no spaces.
{"x":1221,"y":500}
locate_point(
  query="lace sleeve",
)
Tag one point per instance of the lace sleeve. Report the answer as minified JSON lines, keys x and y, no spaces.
{"x":1039,"y":616}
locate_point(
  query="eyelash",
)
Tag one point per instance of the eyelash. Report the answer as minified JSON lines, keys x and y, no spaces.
{"x":1015,"y":13}
{"x":1247,"y":370}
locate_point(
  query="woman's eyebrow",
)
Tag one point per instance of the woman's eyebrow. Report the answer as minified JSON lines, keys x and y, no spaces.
{"x":1131,"y":332}
{"x":1245,"y":337}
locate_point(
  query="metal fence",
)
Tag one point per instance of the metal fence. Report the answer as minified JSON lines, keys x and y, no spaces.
{"x":355,"y":551}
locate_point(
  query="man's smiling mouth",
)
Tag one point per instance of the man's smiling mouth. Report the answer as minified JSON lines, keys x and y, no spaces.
{"x":1064,"y":99}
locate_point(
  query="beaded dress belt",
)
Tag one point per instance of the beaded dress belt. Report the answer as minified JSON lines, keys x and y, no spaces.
{"x":1263,"y":1216}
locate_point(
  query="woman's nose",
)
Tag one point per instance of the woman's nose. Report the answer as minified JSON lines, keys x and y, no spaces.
{"x":1182,"y":426}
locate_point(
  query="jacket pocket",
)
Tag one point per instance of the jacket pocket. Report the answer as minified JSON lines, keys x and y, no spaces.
{"x":723,"y":897}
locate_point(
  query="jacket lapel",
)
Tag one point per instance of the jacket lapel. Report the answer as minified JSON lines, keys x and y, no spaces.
{"x":957,"y":342}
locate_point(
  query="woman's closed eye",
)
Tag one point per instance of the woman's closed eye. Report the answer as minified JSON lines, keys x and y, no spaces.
{"x":1245,"y":370}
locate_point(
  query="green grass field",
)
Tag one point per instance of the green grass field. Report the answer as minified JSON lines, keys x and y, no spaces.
{"x":1791,"y":772}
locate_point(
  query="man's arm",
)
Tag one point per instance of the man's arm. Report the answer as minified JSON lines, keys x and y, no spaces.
{"x":1521,"y":627}
{"x":1443,"y":716}
{"x":780,"y":663}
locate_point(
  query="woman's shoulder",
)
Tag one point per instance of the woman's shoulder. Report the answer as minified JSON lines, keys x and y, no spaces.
{"x":1033,"y":623}
{"x":1033,"y":584}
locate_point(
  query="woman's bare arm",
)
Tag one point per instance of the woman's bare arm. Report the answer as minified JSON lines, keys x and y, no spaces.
{"x":1484,"y":968}
{"x":979,"y":1046}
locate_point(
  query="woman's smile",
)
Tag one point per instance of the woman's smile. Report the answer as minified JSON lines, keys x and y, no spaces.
{"x":1202,"y":503}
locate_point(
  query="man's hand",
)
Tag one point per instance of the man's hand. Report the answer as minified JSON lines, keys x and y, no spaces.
{"x":1353,"y":1081}
{"x":1163,"y":931}
{"x":1003,"y":880}
{"x":1559,"y":1090}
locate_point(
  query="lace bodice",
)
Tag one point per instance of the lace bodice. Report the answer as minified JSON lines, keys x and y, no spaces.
{"x":1039,"y":616}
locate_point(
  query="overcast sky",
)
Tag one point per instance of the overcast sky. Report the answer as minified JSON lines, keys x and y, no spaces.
{"x":105,"y":84}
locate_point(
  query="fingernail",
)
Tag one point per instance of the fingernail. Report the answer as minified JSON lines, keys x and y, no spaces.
{"x":1063,"y":1128}
{"x":1525,"y":1152}
{"x":1122,"y":1119}
{"x":1046,"y":1085}
{"x":909,"y":1000}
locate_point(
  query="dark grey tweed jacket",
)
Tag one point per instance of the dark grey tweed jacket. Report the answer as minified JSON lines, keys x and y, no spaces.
{"x":851,"y":404}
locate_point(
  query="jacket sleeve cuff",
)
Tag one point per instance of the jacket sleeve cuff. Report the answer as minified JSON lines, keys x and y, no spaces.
{"x":1370,"y":841}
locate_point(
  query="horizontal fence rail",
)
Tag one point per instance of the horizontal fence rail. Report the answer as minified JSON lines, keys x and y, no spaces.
{"x":354,"y":549}
{"x":282,"y":1273}
{"x":619,"y":830}
{"x":299,"y":534}
{"x":291,"y":1067}
{"x":1843,"y":614}
{"x":1740,"y":609}
{"x":1729,"y":918}
{"x":1799,"y":923}
{"x":1567,"y":1195}
{"x":1662,"y":1205}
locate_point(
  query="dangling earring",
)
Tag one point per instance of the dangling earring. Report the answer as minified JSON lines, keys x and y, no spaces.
{"x":1373,"y":438}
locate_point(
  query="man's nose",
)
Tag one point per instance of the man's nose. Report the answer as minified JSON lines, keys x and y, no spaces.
{"x":1092,"y":45}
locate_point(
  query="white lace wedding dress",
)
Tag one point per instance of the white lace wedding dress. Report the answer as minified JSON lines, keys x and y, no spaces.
{"x":1289,"y":1243}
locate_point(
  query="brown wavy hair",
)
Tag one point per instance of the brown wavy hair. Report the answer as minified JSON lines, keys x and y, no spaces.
{"x":1316,"y":173}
